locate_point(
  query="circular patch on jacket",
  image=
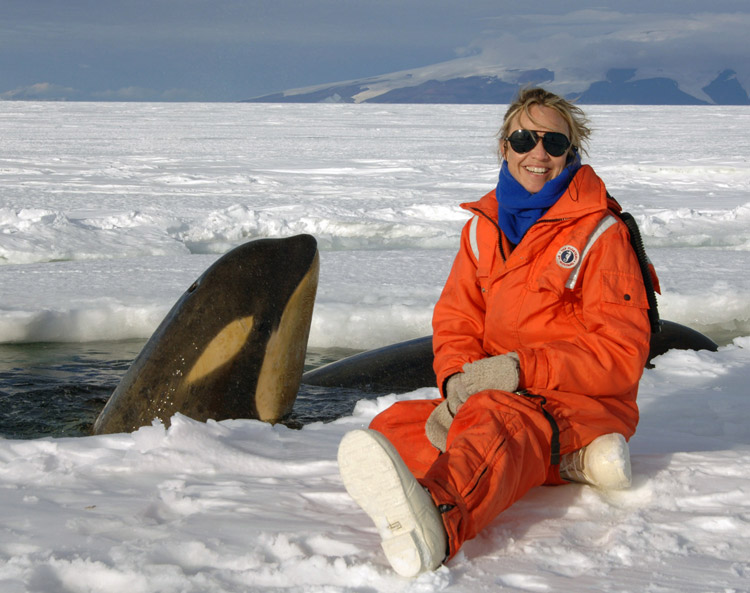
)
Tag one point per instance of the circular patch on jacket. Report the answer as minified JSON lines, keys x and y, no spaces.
{"x":568,"y":257}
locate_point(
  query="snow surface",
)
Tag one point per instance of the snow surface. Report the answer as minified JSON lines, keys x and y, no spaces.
{"x":109,"y":211}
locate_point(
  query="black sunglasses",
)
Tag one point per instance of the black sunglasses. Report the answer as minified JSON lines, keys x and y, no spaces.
{"x":523,"y":141}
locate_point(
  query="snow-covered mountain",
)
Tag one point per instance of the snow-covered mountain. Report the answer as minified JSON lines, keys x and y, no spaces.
{"x":468,"y":81}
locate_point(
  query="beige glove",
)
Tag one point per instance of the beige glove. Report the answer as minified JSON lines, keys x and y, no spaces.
{"x":495,"y":372}
{"x":439,"y":421}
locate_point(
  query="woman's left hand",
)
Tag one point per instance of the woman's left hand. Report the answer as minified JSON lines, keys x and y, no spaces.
{"x":495,"y":372}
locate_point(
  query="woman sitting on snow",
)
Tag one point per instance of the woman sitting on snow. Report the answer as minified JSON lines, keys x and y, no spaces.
{"x":540,"y":338}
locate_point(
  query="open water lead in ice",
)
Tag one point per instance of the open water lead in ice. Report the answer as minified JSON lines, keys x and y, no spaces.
{"x":233,"y":346}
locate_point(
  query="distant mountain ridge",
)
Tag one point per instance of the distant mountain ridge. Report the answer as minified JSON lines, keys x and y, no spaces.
{"x":621,"y":86}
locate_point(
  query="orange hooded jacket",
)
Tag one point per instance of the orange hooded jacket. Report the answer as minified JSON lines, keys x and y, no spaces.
{"x":569,"y":300}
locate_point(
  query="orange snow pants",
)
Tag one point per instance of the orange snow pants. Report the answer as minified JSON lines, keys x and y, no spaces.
{"x":499,"y":447}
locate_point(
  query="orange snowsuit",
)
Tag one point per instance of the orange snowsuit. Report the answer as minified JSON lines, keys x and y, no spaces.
{"x":569,"y":300}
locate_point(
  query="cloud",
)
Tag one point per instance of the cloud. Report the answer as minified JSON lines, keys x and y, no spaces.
{"x":41,"y":91}
{"x":230,"y":49}
{"x":47,"y":91}
{"x":587,"y":43}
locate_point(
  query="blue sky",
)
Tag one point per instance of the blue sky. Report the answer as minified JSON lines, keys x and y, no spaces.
{"x":225,"y":50}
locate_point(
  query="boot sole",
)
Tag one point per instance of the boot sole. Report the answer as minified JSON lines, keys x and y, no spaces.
{"x":383,"y":486}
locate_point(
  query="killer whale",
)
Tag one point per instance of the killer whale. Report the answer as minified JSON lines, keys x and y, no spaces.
{"x":407,"y":366}
{"x":233,"y":345}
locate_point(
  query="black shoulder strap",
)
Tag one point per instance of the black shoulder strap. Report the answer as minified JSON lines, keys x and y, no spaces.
{"x":637,"y":242}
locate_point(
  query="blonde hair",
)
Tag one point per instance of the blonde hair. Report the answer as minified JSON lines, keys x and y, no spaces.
{"x":572,"y":114}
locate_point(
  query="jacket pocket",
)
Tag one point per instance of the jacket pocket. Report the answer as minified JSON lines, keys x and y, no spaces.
{"x":623,"y":289}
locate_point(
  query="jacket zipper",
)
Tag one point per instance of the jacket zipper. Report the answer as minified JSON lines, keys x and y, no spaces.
{"x":499,"y":232}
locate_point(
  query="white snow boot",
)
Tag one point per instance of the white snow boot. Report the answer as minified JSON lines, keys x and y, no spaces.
{"x":409,"y":523}
{"x":604,"y":463}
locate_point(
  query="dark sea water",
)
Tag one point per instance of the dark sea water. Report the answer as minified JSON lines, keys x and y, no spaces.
{"x":58,"y":390}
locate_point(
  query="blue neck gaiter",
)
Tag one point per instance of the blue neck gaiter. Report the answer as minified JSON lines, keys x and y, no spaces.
{"x":518,"y":209}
